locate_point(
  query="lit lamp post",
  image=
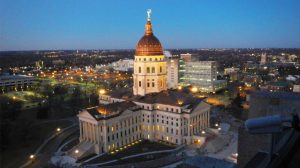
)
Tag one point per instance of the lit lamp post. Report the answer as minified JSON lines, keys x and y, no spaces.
{"x":102,"y":91}
{"x":76,"y":151}
{"x":58,"y":130}
{"x":31,"y":157}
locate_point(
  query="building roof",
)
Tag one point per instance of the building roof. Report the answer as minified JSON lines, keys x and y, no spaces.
{"x":15,"y":77}
{"x":111,"y":110}
{"x":168,"y":97}
{"x":148,"y":45}
{"x":208,"y":162}
{"x":280,"y":95}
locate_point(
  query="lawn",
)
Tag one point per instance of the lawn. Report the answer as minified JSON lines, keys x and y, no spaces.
{"x":19,"y":149}
{"x":141,"y":147}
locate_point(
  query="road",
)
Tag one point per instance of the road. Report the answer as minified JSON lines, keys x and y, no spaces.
{"x":47,"y":152}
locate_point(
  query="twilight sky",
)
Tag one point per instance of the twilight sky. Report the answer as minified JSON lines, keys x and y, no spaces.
{"x":119,"y":24}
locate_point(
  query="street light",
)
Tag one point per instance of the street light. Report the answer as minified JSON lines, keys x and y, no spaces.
{"x":102,"y":91}
{"x":58,"y":129}
{"x":194,"y":89}
{"x":76,"y":151}
{"x":216,"y":124}
{"x":31,"y":156}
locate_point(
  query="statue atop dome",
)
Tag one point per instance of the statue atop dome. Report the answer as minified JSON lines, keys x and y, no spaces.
{"x":149,"y":12}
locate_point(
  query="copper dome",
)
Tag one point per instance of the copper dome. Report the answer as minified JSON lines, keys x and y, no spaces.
{"x":148,"y":44}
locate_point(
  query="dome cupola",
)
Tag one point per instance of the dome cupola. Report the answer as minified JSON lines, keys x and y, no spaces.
{"x":148,"y":45}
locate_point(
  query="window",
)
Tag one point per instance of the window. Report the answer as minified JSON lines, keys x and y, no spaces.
{"x":144,"y":59}
{"x":148,"y":69}
{"x":148,"y":84}
{"x":153,"y":84}
{"x":150,"y":59}
{"x":160,"y":69}
{"x":140,"y":69}
{"x":153,"y":69}
{"x":140,"y":83}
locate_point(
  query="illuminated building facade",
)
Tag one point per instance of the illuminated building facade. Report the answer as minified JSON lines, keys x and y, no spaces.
{"x":124,"y":117}
{"x":201,"y":74}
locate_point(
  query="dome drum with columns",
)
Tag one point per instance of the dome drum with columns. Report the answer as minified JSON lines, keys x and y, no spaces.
{"x":149,"y":65}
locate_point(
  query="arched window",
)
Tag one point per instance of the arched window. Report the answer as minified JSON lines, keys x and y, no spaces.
{"x":153,"y":69}
{"x":148,"y":69}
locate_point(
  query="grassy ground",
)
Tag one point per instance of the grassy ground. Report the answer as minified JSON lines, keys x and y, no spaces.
{"x":20,"y":150}
{"x":142,"y":147}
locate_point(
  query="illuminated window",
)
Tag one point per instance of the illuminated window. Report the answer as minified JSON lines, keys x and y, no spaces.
{"x":148,"y":136}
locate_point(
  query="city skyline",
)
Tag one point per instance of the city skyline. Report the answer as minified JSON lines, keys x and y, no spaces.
{"x":58,"y":25}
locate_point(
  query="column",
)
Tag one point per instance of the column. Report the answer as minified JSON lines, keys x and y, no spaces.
{"x":80,"y":129}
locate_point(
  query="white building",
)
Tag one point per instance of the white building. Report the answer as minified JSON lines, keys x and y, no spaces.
{"x":172,"y":73}
{"x":123,"y":65}
{"x":263,"y":59}
{"x":149,"y":111}
{"x":15,"y":80}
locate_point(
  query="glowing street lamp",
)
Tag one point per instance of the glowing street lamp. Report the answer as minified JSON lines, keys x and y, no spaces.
{"x":194,"y":89}
{"x":76,"y":151}
{"x":31,"y":156}
{"x":216,"y":124}
{"x":58,"y":129}
{"x":102,"y":91}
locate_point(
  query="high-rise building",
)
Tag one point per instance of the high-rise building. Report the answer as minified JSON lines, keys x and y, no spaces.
{"x":39,"y":64}
{"x":263,"y":59}
{"x":186,"y":57}
{"x":172,"y":73}
{"x":201,"y":74}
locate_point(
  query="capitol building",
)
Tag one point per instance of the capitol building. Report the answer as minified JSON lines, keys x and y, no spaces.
{"x":147,"y":111}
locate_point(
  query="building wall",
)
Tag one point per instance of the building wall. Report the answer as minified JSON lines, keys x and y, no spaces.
{"x":264,"y":104}
{"x":150,"y":75}
{"x":156,"y":122}
{"x":172,"y":73}
{"x":201,"y":74}
{"x":296,"y":88}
